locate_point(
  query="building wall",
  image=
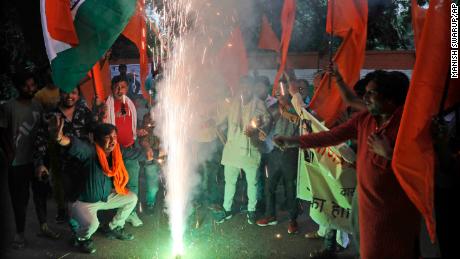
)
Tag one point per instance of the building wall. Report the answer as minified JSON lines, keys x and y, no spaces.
{"x":306,"y":64}
{"x":396,"y":60}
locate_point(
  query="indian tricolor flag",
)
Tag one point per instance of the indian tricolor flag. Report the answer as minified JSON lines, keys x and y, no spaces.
{"x":78,"y":32}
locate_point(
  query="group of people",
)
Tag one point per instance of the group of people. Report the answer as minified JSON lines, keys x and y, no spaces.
{"x":92,"y":159}
{"x":89,"y":159}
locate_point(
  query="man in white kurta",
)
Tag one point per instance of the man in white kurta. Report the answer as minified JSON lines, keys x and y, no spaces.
{"x":240,"y":151}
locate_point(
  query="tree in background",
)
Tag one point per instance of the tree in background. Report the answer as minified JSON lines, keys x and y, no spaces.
{"x":21,"y":40}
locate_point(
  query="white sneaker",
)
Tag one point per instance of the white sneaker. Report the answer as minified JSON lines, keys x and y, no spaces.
{"x":134,"y":220}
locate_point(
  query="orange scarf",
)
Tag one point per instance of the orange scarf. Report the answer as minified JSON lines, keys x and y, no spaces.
{"x":118,"y":171}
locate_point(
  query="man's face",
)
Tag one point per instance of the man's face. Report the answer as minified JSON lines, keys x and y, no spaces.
{"x":109,"y":142}
{"x":303,"y":89}
{"x":122,"y":70}
{"x":70,"y":99}
{"x":374,"y":101}
{"x":119,"y":89}
{"x":29,"y":89}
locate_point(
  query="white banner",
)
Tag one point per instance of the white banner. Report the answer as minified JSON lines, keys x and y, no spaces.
{"x":327,"y":179}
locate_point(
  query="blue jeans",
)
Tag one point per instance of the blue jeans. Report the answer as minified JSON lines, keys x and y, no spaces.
{"x":152,"y":183}
{"x":133,"y":167}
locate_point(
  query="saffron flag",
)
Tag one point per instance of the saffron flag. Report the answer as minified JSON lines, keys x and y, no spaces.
{"x":135,"y":31}
{"x":232,"y":59}
{"x":60,"y":22}
{"x":413,"y":158}
{"x":418,"y":19}
{"x":267,"y":37}
{"x":287,"y":24}
{"x":350,"y":23}
{"x":97,"y":24}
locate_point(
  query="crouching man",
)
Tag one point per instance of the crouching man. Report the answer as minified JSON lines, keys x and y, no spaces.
{"x":104,"y":186}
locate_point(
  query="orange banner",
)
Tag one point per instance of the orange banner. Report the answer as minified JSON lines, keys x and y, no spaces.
{"x":413,"y":158}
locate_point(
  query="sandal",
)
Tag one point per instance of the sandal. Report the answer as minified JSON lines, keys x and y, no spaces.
{"x":45,"y":231}
{"x":313,"y":235}
{"x":18,"y":242}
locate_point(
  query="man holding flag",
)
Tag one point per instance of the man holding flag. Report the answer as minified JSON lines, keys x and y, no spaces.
{"x":384,"y":208}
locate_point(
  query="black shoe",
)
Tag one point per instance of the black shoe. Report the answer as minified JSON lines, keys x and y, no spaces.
{"x":251,"y":217}
{"x":119,"y":233}
{"x":86,"y":246}
{"x":222,"y":216}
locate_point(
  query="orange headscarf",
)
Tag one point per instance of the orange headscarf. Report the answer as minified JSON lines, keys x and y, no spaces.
{"x":118,"y":171}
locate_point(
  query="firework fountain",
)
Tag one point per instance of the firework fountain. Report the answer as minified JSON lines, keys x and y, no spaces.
{"x":175,"y":119}
{"x":192,"y":33}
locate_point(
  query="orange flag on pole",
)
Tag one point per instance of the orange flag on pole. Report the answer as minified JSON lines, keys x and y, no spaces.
{"x":267,"y":37}
{"x":136,"y":32}
{"x":350,"y":23}
{"x":418,"y":20}
{"x":413,"y":158}
{"x":60,"y":22}
{"x":232,"y":59}
{"x":287,"y":24}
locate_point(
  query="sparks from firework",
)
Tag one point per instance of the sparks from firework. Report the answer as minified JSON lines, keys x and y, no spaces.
{"x":204,"y":55}
{"x":175,"y":119}
{"x":282,"y":88}
{"x":255,"y":126}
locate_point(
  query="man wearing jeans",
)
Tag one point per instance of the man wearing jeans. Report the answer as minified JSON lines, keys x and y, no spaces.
{"x":105,"y":182}
{"x":122,"y":113}
{"x":18,"y":120}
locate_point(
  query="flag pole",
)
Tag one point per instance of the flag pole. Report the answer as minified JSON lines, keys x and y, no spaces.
{"x":331,"y":37}
{"x":94,"y":83}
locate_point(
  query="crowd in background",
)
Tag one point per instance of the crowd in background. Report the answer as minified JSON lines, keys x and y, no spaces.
{"x":92,"y":159}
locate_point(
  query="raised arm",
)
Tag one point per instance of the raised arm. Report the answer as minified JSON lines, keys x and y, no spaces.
{"x":77,"y":148}
{"x":297,"y":101}
{"x":337,"y":135}
{"x":348,"y":96}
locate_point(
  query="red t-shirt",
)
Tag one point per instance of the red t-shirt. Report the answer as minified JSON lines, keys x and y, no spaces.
{"x":124,"y":124}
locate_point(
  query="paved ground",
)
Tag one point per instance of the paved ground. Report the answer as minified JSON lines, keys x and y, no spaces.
{"x":232,"y":239}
